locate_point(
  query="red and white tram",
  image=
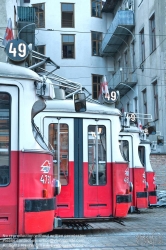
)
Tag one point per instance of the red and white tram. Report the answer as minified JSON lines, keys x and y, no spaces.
{"x":135,"y":148}
{"x":87,"y":159}
{"x":144,"y":153}
{"x":27,"y":204}
{"x":129,"y":143}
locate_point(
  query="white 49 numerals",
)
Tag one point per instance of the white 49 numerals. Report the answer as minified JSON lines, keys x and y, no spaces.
{"x":45,"y":179}
{"x":21,"y":50}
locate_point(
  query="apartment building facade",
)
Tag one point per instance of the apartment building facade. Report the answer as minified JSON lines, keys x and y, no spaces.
{"x":123,"y":40}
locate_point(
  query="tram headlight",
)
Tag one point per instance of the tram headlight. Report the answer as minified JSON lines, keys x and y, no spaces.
{"x":57,"y":186}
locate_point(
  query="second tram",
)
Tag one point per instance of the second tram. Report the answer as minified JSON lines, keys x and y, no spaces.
{"x":87,"y":159}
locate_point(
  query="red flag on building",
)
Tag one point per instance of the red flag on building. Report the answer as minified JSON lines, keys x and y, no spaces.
{"x":103,"y":89}
{"x":9,"y":33}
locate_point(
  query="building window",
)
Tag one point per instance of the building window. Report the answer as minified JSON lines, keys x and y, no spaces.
{"x":68,"y":46}
{"x":142,"y":45}
{"x":135,"y":104}
{"x":26,"y":1}
{"x":67,"y":15}
{"x":155,"y":95}
{"x":40,"y":49}
{"x":40,"y":15}
{"x":96,"y":43}
{"x":96,"y":8}
{"x":152,"y":34}
{"x":133,"y":56}
{"x":96,"y":80}
{"x":145,"y":108}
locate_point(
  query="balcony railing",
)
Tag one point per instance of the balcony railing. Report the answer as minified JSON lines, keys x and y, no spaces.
{"x":26,"y":14}
{"x":120,"y":27}
{"x":124,"y":80}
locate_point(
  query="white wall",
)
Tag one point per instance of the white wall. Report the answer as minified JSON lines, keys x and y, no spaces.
{"x":84,"y":65}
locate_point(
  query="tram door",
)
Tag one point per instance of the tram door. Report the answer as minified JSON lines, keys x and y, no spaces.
{"x":97,"y":183}
{"x":8,"y":159}
{"x":82,"y":165}
{"x":127,"y":150}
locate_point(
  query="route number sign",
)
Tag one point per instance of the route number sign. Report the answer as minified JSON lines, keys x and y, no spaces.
{"x":17,"y":50}
{"x":113,"y":96}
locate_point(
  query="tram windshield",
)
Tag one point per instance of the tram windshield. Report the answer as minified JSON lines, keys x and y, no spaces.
{"x":124,"y":149}
{"x":97,"y":154}
{"x":38,"y":136}
{"x":4,"y":138}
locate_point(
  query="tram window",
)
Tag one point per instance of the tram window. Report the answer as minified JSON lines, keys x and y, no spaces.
{"x":97,"y":154}
{"x":141,"y":153}
{"x":124,"y":149}
{"x":60,"y":133}
{"x":4,"y":138}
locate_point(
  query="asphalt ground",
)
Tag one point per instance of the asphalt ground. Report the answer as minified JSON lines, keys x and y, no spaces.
{"x":146,"y":230}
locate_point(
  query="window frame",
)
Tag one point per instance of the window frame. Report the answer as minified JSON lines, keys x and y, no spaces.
{"x":155,"y":96}
{"x":97,"y":152}
{"x":152,"y":27}
{"x":68,"y":44}
{"x":145,"y":106}
{"x":96,"y":51}
{"x":96,"y":7}
{"x":37,"y":13}
{"x":136,"y":104}
{"x":97,"y":84}
{"x":53,"y":127}
{"x":71,"y":12}
{"x":142,"y":45}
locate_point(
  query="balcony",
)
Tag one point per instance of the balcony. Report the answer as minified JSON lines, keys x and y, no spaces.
{"x":26,"y":24}
{"x":26,"y":14}
{"x":123,"y":80}
{"x":119,"y":29}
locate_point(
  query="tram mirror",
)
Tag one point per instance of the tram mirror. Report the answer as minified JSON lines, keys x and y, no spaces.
{"x":37,"y":107}
{"x":80,"y":102}
{"x":152,"y":130}
{"x":160,"y":140}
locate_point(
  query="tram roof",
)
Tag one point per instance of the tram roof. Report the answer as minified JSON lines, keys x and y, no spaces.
{"x":13,"y":71}
{"x":68,"y":106}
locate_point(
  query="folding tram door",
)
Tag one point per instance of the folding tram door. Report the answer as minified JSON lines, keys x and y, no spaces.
{"x":8,"y":160}
{"x":82,"y":162}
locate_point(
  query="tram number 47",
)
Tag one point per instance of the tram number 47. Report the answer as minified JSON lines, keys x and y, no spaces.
{"x":45,"y":179}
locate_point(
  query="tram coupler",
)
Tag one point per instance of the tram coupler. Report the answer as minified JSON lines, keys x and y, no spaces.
{"x":57,"y":222}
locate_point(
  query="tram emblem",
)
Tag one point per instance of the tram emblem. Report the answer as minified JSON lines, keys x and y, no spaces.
{"x":126,"y":179}
{"x":45,"y":167}
{"x":144,"y":178}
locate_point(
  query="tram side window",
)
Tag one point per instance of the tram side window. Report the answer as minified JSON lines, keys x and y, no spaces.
{"x":97,"y":154}
{"x":124,"y":149}
{"x":141,"y":153}
{"x":59,"y":140}
{"x":4,"y":138}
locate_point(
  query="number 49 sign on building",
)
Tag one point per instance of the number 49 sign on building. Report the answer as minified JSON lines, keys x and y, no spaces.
{"x":17,"y":50}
